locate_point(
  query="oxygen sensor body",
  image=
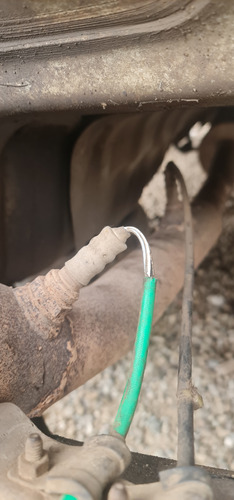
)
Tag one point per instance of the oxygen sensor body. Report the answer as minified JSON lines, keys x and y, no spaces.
{"x":39,"y":350}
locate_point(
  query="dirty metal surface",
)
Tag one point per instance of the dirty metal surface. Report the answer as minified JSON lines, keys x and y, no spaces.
{"x":145,"y":469}
{"x":45,"y":179}
{"x":91,"y":467}
{"x":52,"y":163}
{"x":44,"y":17}
{"x":34,"y":209}
{"x":186,"y":392}
{"x":35,"y":217}
{"x":119,"y":155}
{"x":64,"y":459}
{"x":98,"y":60}
{"x":37,"y":371}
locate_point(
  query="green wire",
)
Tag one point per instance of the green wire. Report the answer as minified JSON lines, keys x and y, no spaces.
{"x":132,"y":389}
{"x":68,"y":497}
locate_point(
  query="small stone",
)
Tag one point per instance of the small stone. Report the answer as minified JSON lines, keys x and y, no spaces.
{"x":229,"y":441}
{"x":61,"y":425}
{"x":223,"y":346}
{"x":216,"y":300}
{"x":212,"y":363}
{"x":68,"y":411}
{"x":172,"y":319}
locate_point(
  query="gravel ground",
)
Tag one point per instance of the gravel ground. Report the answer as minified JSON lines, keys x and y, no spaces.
{"x":92,"y":407}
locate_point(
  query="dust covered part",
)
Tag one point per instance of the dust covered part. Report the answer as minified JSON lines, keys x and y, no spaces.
{"x":100,"y":328}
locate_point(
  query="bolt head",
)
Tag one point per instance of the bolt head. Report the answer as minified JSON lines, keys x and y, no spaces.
{"x":31,"y":470}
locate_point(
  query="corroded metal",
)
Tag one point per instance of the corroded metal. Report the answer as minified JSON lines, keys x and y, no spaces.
{"x":185,"y":448}
{"x":36,"y":371}
{"x":35,"y":152}
{"x":34,"y":461}
{"x":115,"y":158}
{"x":81,"y":471}
{"x":65,"y":461}
{"x":108,"y":58}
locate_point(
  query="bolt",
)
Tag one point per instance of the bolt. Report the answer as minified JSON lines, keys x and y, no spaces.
{"x":118,"y":492}
{"x":33,"y":448}
{"x":34,"y":461}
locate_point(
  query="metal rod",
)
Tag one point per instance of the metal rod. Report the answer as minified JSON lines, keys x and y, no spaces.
{"x":185,"y":450}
